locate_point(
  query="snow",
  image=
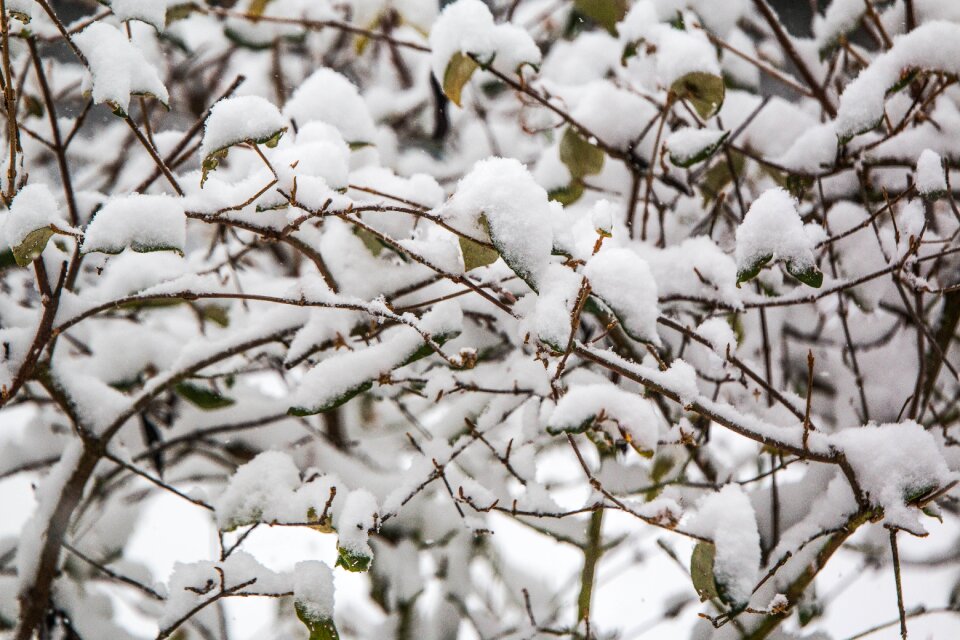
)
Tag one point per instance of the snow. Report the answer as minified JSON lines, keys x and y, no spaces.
{"x":118,"y":66}
{"x":313,"y":156}
{"x":841,"y":17}
{"x":894,"y":462}
{"x":516,"y":208}
{"x":97,"y":404}
{"x":931,"y":179}
{"x":640,"y":22}
{"x":933,"y":46}
{"x":255,"y":487}
{"x":616,"y":116}
{"x":33,"y":208}
{"x":339,"y":376}
{"x":719,"y":334}
{"x":467,"y":27}
{"x":313,"y":589}
{"x":779,"y":602}
{"x":315,"y":167}
{"x":142,"y":222}
{"x":772,"y":227}
{"x":555,"y":303}
{"x":602,"y":216}
{"x":193,"y":583}
{"x":153,"y":12}
{"x":727,"y":518}
{"x":632,"y":413}
{"x":33,"y":534}
{"x":328,"y":96}
{"x":288,"y":310}
{"x":682,"y":52}
{"x":740,"y":71}
{"x":623,"y":280}
{"x":813,"y":150}
{"x":695,"y":267}
{"x":911,"y":221}
{"x":240,"y":119}
{"x":22,"y":8}
{"x":354,"y":522}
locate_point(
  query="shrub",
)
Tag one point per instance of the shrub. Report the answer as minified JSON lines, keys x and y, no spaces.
{"x":651,"y":280}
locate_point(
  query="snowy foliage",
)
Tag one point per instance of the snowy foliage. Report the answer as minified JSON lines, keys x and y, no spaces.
{"x":479,"y":319}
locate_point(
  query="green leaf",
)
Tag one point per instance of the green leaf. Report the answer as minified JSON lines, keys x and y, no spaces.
{"x":719,"y":176}
{"x":580,"y":156}
{"x":422,"y":351}
{"x":600,"y":303}
{"x":352,"y":561}
{"x":797,"y":184}
{"x":180,"y":11}
{"x":752,"y":270}
{"x":458,"y":72}
{"x":705,"y":91}
{"x":374,"y":244}
{"x":574,"y":428}
{"x":32,"y":246}
{"x":907,"y":76}
{"x":476,"y":255}
{"x":662,"y":464}
{"x":7,"y":259}
{"x":606,"y":13}
{"x":202,"y":397}
{"x":319,"y":628}
{"x":216,"y":314}
{"x":569,"y":194}
{"x":425,"y":349}
{"x":917,"y":494}
{"x":346,"y":396}
{"x":701,"y":571}
{"x":808,"y":275}
{"x":629,"y":51}
{"x":701,"y":154}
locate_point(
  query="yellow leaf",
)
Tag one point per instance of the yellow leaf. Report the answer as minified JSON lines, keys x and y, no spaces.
{"x":458,"y":72}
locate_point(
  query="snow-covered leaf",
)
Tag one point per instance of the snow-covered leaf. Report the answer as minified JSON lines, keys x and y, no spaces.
{"x":232,"y":121}
{"x":772,"y":230}
{"x":516,"y":210}
{"x":689,"y":146}
{"x":313,"y":599}
{"x":623,"y":280}
{"x":142,"y":222}
{"x":728,"y":519}
{"x":465,"y":30}
{"x":341,"y":377}
{"x":584,"y":405}
{"x":119,"y":68}
{"x":33,"y":218}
